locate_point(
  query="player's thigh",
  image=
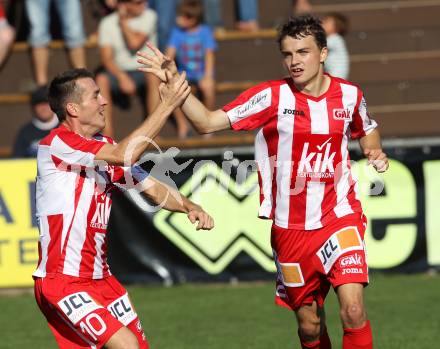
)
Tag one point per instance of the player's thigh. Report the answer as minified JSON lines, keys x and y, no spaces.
{"x":123,"y":338}
{"x":299,"y":282}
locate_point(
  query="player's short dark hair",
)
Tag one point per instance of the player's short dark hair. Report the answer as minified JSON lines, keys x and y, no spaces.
{"x":63,"y":89}
{"x":191,"y":9}
{"x":302,"y":26}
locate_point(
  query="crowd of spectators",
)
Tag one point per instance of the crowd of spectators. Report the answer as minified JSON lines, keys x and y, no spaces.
{"x":184,"y":29}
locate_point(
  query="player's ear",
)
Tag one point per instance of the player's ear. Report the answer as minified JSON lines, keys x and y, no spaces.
{"x":323,"y":55}
{"x":72,"y":109}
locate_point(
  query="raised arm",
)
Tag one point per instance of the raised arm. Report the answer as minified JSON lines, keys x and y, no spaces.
{"x":204,"y":120}
{"x":174,"y":201}
{"x":130,"y":149}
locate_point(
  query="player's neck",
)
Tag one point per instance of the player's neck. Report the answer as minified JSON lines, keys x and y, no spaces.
{"x":75,"y":126}
{"x":316,"y":86}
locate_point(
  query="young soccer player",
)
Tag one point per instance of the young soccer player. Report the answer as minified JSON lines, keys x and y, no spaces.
{"x":78,"y":168}
{"x":303,"y":125}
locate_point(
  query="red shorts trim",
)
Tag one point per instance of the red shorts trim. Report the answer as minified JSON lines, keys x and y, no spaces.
{"x":310,"y":261}
{"x":84,"y":313}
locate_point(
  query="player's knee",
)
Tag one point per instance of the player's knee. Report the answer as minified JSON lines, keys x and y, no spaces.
{"x":309,"y":329}
{"x":353,"y":315}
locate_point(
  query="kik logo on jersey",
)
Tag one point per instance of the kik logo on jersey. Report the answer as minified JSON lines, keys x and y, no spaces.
{"x":102,"y":212}
{"x":317,"y":156}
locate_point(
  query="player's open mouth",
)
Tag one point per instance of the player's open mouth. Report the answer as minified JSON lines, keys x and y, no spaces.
{"x":297,"y":72}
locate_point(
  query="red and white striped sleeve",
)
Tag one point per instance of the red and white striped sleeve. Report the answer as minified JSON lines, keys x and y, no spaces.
{"x":361,"y":124}
{"x":73,"y":149}
{"x":252,"y":108}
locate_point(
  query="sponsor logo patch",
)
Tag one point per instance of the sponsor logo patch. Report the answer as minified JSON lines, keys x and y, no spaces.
{"x":257,"y":103}
{"x":342,"y":114}
{"x":122,"y":310}
{"x":77,"y":305}
{"x":293,"y":112}
{"x":318,"y":156}
{"x":292,"y":275}
{"x":352,"y":271}
{"x":344,"y":240}
{"x":351,"y":260}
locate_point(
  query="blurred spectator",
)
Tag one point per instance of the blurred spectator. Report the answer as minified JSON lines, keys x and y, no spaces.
{"x":338,"y":60}
{"x":193,"y":46}
{"x":70,"y":15}
{"x":301,"y":7}
{"x":246,"y":13}
{"x":166,"y":13}
{"x":121,"y":34}
{"x":7,"y":35}
{"x":43,"y":120}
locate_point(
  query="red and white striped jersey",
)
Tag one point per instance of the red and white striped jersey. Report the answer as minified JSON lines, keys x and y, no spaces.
{"x":301,"y":149}
{"x":73,"y":202}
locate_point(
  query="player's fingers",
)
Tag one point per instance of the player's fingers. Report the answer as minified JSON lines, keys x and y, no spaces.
{"x":192,"y":217}
{"x":155,"y":50}
{"x":200,"y":223}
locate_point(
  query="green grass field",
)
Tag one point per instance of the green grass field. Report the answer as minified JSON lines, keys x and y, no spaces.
{"x":404,"y":309}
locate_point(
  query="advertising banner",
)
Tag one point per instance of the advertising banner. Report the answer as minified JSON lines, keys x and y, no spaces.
{"x":152,"y":245}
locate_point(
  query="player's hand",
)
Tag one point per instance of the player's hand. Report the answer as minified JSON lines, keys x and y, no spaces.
{"x":157,"y":63}
{"x":175,"y":92}
{"x":204,"y":221}
{"x":126,"y":84}
{"x":377,"y":158}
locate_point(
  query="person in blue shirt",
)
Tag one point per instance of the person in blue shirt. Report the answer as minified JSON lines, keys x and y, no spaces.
{"x":193,"y":46}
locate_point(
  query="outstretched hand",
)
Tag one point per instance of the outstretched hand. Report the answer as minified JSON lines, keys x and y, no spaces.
{"x":204,"y":220}
{"x":156,"y":64}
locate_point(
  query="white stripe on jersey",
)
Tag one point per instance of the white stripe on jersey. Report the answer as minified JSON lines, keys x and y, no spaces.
{"x":265,"y":169}
{"x":285,"y":126}
{"x":75,"y":156}
{"x":97,"y":265}
{"x":44,"y":244}
{"x":318,"y":116}
{"x":315,"y":196}
{"x":78,"y":232}
{"x":343,"y":207}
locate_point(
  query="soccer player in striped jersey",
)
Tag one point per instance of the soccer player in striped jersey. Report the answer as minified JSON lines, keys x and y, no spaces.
{"x":303,"y":125}
{"x":78,"y":168}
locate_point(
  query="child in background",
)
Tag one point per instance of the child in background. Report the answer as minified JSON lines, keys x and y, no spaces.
{"x":193,"y":46}
{"x":338,"y":61}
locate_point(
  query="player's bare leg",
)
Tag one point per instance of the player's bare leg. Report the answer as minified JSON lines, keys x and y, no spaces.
{"x":312,"y":330}
{"x":122,"y":339}
{"x":357,"y":330}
